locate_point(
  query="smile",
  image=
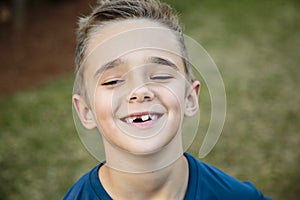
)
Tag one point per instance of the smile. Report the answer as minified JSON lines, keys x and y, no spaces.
{"x":141,"y":118}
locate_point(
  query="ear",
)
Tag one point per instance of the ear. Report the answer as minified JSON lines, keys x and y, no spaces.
{"x":191,"y":103}
{"x":84,"y":113}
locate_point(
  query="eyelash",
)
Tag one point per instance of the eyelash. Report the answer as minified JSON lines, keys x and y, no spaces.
{"x":156,"y":77}
{"x":161,"y":77}
{"x":112,"y":82}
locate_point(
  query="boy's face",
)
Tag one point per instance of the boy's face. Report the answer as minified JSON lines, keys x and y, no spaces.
{"x":139,"y":95}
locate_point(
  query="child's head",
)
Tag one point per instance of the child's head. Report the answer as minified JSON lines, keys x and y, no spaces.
{"x":134,"y":82}
{"x":113,"y":11}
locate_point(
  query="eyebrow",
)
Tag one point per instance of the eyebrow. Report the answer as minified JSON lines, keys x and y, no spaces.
{"x":163,"y":61}
{"x":111,"y":64}
{"x":117,"y":62}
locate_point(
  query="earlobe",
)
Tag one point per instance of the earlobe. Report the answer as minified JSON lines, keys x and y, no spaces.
{"x":84,"y":113}
{"x":191,"y":103}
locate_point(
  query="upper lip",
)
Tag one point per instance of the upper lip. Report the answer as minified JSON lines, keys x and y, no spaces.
{"x":141,"y":116}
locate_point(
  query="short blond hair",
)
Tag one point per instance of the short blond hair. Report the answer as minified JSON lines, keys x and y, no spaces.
{"x":116,"y":10}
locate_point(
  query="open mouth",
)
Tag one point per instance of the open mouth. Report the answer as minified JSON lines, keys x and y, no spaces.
{"x":141,"y":118}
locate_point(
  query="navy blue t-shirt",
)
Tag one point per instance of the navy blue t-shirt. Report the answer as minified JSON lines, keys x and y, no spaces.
{"x":205,"y":183}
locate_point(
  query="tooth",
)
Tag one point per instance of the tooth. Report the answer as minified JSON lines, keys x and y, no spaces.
{"x":129,"y":120}
{"x":145,"y":117}
{"x":153,"y":117}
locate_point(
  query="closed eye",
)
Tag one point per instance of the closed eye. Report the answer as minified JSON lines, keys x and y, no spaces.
{"x":112,"y":82}
{"x":161,"y":77}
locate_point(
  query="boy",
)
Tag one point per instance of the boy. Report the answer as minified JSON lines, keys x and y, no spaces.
{"x":134,"y":84}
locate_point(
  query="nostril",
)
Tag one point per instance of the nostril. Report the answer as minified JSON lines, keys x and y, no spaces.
{"x":133,"y":98}
{"x":140,"y":95}
{"x":147,"y":98}
{"x":140,"y":99}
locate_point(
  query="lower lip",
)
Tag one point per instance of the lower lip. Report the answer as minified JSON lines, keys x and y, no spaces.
{"x":143,"y":124}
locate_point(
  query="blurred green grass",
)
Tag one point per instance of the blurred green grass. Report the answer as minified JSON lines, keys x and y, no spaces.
{"x":254,"y":44}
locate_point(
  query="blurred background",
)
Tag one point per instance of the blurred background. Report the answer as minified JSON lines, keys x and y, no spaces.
{"x":255,"y":45}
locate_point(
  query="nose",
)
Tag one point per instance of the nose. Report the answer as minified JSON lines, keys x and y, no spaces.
{"x":140,"y":94}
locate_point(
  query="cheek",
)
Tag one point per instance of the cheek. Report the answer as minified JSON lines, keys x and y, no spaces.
{"x":106,"y":104}
{"x":104,"y":113}
{"x":103,"y":105}
{"x":173,"y":96}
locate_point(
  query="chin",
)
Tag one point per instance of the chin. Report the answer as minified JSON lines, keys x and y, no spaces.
{"x":150,"y":146}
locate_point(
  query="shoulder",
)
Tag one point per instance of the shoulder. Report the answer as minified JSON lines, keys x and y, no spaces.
{"x":78,"y":188}
{"x":84,"y":187}
{"x":208,"y":182}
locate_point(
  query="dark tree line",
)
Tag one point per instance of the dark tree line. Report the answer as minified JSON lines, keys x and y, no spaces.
{"x":14,"y":11}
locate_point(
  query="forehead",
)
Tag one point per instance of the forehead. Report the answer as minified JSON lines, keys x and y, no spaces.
{"x":116,"y":39}
{"x":134,"y":31}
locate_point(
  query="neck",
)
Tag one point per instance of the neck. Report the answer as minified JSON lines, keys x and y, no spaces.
{"x":167,"y":183}
{"x":160,"y":175}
